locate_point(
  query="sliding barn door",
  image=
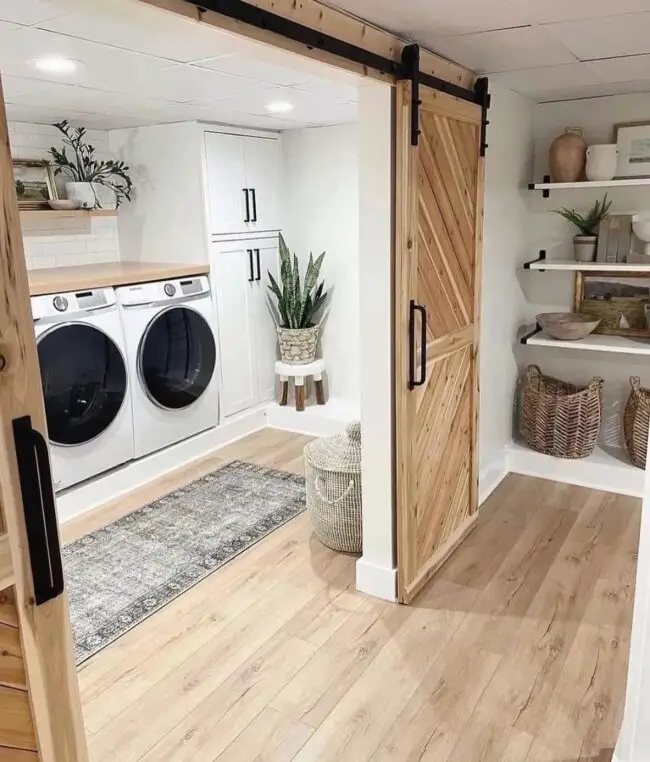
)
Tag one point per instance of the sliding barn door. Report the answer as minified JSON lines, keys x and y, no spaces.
{"x":40,"y":716}
{"x":438,"y":229}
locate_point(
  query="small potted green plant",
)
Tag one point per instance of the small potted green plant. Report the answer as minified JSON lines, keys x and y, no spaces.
{"x":94,"y":183}
{"x":584,"y":244}
{"x":296,"y":307}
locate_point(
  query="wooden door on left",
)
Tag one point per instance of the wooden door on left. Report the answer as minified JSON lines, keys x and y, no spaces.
{"x":40,"y":711}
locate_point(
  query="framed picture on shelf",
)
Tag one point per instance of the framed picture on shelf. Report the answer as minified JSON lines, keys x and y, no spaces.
{"x":34,"y":181}
{"x":633,"y":141}
{"x":620,"y":300}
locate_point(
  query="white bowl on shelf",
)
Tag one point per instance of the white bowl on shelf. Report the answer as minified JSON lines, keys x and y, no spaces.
{"x":64,"y":204}
{"x":641,"y":228}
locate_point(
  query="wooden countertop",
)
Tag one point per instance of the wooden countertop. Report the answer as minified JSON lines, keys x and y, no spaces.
{"x":56,"y":279}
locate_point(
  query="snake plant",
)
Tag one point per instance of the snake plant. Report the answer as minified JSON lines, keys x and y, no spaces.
{"x":297,"y":305}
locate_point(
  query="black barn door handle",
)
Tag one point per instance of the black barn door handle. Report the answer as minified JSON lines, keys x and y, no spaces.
{"x":39,"y":509}
{"x":259,"y":270}
{"x":251,"y":271}
{"x":254,"y":205}
{"x":412,"y":381}
{"x":248,"y":205}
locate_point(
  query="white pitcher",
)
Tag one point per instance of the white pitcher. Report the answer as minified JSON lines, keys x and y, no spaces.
{"x":601,"y":161}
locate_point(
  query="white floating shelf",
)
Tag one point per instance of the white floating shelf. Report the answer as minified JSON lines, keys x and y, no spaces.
{"x":595,"y":342}
{"x":571,"y":264}
{"x":628,"y":181}
{"x":608,"y":470}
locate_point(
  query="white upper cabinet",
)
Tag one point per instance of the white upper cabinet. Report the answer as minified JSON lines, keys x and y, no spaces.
{"x":243,"y":177}
{"x":263,"y":178}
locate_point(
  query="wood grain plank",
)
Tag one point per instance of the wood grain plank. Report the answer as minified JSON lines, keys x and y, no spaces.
{"x":8,"y":612}
{"x":6,"y":564}
{"x":16,"y":726}
{"x":12,"y":667}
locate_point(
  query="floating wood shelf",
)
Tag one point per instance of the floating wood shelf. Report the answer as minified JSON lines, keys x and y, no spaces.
{"x":595,"y":342}
{"x":570,"y":264}
{"x":53,"y":214}
{"x":627,"y":182}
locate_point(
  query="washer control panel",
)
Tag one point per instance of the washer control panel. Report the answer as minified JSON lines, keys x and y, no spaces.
{"x":170,"y":289}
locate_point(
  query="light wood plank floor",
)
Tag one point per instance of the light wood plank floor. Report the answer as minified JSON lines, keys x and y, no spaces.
{"x":515,"y":652}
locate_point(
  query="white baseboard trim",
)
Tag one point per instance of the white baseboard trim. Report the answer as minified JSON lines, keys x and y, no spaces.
{"x":601,"y":471}
{"x":379,"y":581}
{"x":120,"y":481}
{"x":490,"y":477}
{"x":315,"y":420}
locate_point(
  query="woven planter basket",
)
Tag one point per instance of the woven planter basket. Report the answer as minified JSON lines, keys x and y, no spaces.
{"x":333,"y":481}
{"x":557,"y":418}
{"x":635,"y":422}
{"x":298,"y":345}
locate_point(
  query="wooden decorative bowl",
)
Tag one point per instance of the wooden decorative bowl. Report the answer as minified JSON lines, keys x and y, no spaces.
{"x":568,"y":326}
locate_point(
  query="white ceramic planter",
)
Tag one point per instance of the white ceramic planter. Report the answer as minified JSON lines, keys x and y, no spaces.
{"x":601,"y":162}
{"x":584,"y":247}
{"x":91,"y":195}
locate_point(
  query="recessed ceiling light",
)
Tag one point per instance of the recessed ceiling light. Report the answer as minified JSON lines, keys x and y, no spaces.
{"x":55,"y":65}
{"x":279,"y":107}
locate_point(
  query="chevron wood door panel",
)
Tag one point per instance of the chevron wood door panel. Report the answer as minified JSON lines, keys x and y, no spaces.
{"x":439,"y":219}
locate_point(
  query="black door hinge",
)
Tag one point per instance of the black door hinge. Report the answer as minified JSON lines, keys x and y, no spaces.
{"x":481,"y":89}
{"x":411,"y":64}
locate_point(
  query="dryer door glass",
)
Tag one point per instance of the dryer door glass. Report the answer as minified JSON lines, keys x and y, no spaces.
{"x":84,"y":382}
{"x":177,"y":358}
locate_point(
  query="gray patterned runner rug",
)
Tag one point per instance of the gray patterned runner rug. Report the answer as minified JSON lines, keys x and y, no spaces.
{"x":124,"y":572}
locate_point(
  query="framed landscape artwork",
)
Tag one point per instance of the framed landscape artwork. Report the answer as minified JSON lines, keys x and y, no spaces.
{"x":621,"y":301}
{"x":34,"y":181}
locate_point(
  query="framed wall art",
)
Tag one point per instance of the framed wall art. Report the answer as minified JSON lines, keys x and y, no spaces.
{"x":633,"y":141}
{"x":34,"y":181}
{"x":620,"y":300}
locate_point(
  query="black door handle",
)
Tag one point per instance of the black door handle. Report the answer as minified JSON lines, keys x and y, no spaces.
{"x":259,"y":272}
{"x":251,"y":275}
{"x":412,"y":381}
{"x":39,"y":509}
{"x":254,"y":205}
{"x":248,"y":205}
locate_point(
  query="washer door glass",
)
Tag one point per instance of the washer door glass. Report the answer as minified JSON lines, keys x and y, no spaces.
{"x":84,"y":382}
{"x":177,"y":358}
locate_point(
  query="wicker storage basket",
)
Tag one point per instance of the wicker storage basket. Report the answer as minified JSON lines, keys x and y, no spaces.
{"x":635,"y":422}
{"x":557,"y":418}
{"x":333,"y":480}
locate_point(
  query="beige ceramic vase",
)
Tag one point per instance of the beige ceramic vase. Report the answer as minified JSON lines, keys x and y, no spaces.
{"x":567,"y":156}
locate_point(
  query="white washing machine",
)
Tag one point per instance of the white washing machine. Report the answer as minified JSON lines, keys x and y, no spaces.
{"x":82,"y":357}
{"x":171,"y":357}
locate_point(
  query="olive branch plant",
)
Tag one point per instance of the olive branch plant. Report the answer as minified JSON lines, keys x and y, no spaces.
{"x":297,"y":305}
{"x":82,"y":166}
{"x":588,"y":223}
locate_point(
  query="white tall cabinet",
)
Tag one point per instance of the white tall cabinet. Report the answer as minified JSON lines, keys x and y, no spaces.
{"x":212,"y":193}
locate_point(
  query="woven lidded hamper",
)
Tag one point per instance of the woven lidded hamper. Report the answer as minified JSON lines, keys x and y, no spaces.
{"x":635,"y":422}
{"x":333,"y":480}
{"x":558,"y":418}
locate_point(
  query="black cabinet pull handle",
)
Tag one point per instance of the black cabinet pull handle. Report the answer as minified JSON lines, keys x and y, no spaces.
{"x":251,"y":271}
{"x":259,"y":271}
{"x":39,"y":509}
{"x":412,"y":381}
{"x":248,"y":205}
{"x":254,"y":205}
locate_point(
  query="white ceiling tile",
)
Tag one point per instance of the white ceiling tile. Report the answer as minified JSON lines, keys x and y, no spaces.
{"x":14,"y":87}
{"x":624,"y":69}
{"x":417,"y":17}
{"x":245,"y":66}
{"x":140,"y":27}
{"x":596,"y":91}
{"x":6,"y":27}
{"x":549,"y":11}
{"x":334,"y":90}
{"x":533,"y":82}
{"x":505,"y":50}
{"x":624,"y":35}
{"x":33,"y":11}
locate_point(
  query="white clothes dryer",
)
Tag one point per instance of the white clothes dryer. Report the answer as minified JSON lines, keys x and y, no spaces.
{"x":82,"y":357}
{"x":172,"y":358}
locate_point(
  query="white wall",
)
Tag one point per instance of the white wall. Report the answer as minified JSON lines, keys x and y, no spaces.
{"x":553,"y":291}
{"x":376,"y":569}
{"x":166,"y":221}
{"x":508,"y":168}
{"x":62,"y":243}
{"x":321,"y":191}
